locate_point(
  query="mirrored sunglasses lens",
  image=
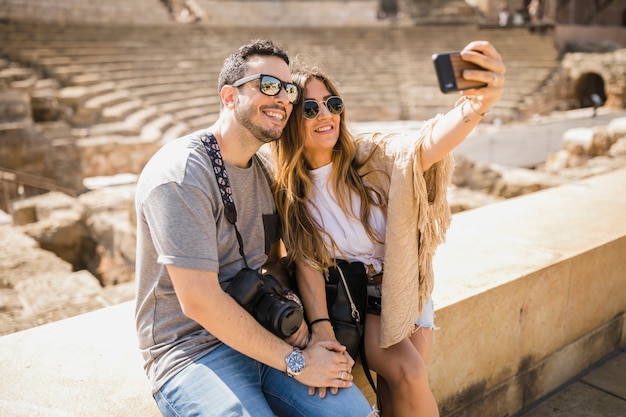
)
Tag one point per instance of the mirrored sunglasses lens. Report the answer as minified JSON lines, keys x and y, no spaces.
{"x":292,"y":92}
{"x":311,"y":108}
{"x":270,"y":86}
{"x":335,"y":105}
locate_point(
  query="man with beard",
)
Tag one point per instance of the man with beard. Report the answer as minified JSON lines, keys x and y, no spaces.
{"x":206,"y":354}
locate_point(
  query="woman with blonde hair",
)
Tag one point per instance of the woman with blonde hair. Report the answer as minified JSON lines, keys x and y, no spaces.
{"x":378,"y":199}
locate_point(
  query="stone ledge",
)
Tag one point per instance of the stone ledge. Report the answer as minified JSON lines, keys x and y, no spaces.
{"x":522,"y":286}
{"x":84,"y":366}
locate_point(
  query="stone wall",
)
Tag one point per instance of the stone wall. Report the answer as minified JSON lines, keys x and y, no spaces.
{"x":235,"y":13}
{"x":111,"y":11}
{"x":609,"y":66}
{"x":609,"y":36}
{"x":290,"y":14}
{"x":584,"y":12}
{"x":37,"y":152}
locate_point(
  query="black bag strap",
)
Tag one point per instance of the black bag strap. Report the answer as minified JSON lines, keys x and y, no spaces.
{"x":221,"y":175}
{"x":357,"y":318}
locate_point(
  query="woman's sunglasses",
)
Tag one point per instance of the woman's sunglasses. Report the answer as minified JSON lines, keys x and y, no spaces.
{"x":271,"y":86}
{"x":334,"y":105}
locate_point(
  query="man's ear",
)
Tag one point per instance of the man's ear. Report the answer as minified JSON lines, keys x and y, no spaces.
{"x":227,"y":94}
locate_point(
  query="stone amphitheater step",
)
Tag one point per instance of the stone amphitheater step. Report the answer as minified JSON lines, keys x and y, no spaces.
{"x":201,"y":122}
{"x":119,"y":111}
{"x":76,"y":95}
{"x":108,"y":155}
{"x":384,"y":72}
{"x":192,"y":90}
{"x":165,"y":70}
{"x":178,"y":130}
{"x":90,"y":111}
{"x":130,"y":126}
{"x":161,"y":93}
{"x":153,"y":130}
{"x":190,"y":107}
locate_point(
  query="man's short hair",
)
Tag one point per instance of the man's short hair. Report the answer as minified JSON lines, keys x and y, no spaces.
{"x":235,"y":65}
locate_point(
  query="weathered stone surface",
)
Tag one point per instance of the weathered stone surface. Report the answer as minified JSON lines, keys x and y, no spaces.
{"x":63,"y":234}
{"x":619,"y":149}
{"x":617,"y":128}
{"x":95,"y":231}
{"x":462,"y":199}
{"x":38,"y":287}
{"x":22,"y":258}
{"x":15,"y":107}
{"x":500,"y":181}
{"x":587,"y":141}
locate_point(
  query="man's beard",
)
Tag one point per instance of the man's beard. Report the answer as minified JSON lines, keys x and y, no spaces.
{"x":245,"y":115}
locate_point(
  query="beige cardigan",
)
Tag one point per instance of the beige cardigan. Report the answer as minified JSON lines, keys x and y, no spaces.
{"x":418,"y":217}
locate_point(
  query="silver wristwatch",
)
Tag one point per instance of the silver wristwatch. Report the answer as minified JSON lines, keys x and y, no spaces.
{"x":295,"y":362}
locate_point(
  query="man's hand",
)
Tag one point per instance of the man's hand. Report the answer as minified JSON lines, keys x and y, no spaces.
{"x":328,"y":365}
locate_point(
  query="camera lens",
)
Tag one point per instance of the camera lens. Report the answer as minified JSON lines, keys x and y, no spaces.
{"x":291,"y":321}
{"x":281,"y":316}
{"x":261,"y":296}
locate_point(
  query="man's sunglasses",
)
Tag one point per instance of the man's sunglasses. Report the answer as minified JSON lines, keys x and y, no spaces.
{"x":334,"y":105}
{"x":271,"y":86}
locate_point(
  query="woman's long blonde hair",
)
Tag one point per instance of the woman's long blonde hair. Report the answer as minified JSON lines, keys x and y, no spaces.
{"x":302,"y":236}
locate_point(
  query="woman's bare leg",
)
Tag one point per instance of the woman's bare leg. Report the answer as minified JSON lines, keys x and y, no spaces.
{"x":404,"y":370}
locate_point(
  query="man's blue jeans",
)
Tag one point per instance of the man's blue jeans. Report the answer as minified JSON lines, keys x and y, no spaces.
{"x":227,"y":383}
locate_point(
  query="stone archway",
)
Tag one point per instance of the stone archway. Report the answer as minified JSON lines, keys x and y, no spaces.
{"x":585,"y":74}
{"x":589,"y":90}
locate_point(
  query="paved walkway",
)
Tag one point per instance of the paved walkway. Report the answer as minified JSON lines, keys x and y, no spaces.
{"x":516,"y":145}
{"x":528,"y":145}
{"x":598,"y":392}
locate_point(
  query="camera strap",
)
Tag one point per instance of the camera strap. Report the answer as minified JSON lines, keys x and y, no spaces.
{"x":219,"y":169}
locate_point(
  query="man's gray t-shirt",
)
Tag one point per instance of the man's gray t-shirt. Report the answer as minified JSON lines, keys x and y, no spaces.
{"x":181,"y":222}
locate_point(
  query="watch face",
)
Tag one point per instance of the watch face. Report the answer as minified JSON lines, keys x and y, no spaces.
{"x":295,"y":362}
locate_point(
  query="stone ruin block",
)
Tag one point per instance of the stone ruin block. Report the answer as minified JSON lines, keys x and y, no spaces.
{"x":15,"y":108}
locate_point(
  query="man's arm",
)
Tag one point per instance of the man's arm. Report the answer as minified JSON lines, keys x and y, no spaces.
{"x":203,"y":300}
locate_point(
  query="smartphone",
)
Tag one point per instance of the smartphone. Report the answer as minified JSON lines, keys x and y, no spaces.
{"x":449,"y":68}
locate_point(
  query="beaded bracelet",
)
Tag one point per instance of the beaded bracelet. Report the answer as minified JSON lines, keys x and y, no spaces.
{"x":290,"y":295}
{"x":319,"y":320}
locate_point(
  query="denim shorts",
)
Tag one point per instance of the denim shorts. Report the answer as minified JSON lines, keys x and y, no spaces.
{"x":228,"y":383}
{"x":374,"y":304}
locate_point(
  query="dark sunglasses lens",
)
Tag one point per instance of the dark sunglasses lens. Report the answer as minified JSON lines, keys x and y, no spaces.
{"x":311,"y":108}
{"x":335,"y":105}
{"x":270,"y":86}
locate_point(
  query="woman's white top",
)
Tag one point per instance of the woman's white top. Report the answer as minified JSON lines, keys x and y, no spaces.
{"x":346,"y":228}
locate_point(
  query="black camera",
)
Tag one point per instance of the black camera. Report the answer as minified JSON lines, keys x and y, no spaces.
{"x":261,"y":296}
